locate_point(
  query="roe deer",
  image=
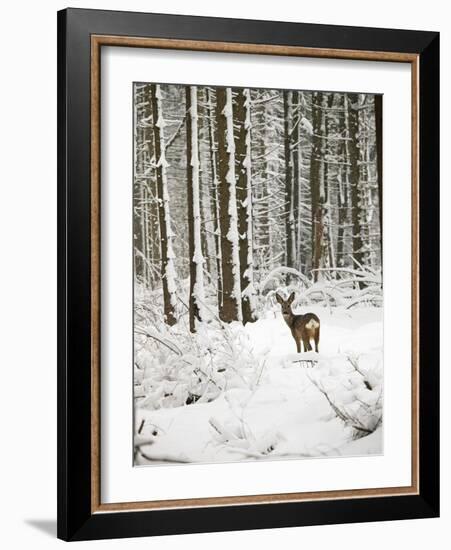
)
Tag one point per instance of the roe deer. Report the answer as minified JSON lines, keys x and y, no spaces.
{"x":303,"y":327}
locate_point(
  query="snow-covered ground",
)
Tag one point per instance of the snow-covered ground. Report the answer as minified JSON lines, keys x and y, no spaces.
{"x":294,"y":405}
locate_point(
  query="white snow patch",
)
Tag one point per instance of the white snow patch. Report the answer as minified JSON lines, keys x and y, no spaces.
{"x":278,"y":412}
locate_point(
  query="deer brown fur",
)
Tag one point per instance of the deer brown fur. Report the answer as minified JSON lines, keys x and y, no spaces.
{"x":304,"y":328}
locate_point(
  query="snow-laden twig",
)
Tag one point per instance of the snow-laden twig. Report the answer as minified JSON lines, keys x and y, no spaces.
{"x":151,"y":334}
{"x":354,"y":361}
{"x":176,"y":133}
{"x":360,"y":275}
{"x":163,"y":458}
{"x":368,"y":415}
{"x":279,"y":271}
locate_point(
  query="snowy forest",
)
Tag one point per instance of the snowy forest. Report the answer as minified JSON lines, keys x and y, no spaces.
{"x":251,"y":208}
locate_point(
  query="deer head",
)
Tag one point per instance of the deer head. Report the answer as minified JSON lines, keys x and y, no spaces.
{"x":286,"y":304}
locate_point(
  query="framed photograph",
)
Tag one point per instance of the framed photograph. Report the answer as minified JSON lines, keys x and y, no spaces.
{"x":248,"y":274}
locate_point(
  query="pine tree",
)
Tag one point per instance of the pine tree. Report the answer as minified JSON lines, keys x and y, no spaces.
{"x":317,"y":181}
{"x":168,"y":272}
{"x":212,"y":143}
{"x":354,"y":177}
{"x":343,"y":182}
{"x":230,"y":309}
{"x":242,"y":117}
{"x":230,"y":184}
{"x":289,"y":183}
{"x":196,"y":295}
{"x":378,"y":137}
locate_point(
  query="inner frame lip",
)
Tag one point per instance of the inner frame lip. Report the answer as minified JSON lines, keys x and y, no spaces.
{"x":99,"y":40}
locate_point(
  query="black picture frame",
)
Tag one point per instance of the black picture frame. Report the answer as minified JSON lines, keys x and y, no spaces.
{"x":76,"y":520}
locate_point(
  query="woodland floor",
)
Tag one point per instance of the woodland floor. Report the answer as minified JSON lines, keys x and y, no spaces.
{"x":285,"y":414}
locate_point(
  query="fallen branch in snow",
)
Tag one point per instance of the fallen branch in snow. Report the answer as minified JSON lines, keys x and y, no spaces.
{"x":164,"y":458}
{"x":247,"y":452}
{"x":315,"y":357}
{"x":143,"y":440}
{"x":354,"y":361}
{"x":140,"y":440}
{"x":244,"y":442}
{"x":223,"y":432}
{"x":336,"y":410}
{"x":366,"y":297}
{"x":308,"y":361}
{"x":342,"y":413}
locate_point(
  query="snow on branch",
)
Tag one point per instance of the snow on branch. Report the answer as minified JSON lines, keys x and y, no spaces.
{"x":280,"y":271}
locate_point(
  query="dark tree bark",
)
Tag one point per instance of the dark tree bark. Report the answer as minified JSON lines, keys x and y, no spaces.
{"x":138,"y":193}
{"x":378,"y":117}
{"x":326,"y":201}
{"x":244,"y":201}
{"x":296,"y":177}
{"x":343,"y":186}
{"x":289,"y":187}
{"x":168,"y":293}
{"x":354,"y":178}
{"x":194,"y":232}
{"x":317,"y":181}
{"x":212,"y":141}
{"x":263,"y":234}
{"x":152,"y":224}
{"x":230,"y":309}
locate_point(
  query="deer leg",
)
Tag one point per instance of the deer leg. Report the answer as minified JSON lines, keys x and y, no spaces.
{"x":316,"y":340}
{"x":298,"y":345}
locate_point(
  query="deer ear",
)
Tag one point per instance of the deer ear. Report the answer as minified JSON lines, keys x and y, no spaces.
{"x":279,"y":299}
{"x":291,"y":298}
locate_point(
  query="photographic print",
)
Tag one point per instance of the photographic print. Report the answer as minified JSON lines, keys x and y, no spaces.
{"x":258,"y":296}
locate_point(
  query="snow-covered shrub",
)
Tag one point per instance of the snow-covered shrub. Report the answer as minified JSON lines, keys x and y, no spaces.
{"x":238,"y":439}
{"x":174,"y":367}
{"x":356,"y":397}
{"x":342,"y":287}
{"x":347,"y":287}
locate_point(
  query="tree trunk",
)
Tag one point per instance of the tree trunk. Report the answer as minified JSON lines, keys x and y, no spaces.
{"x":296,"y":155}
{"x":196,"y":259}
{"x":152,"y":196}
{"x":263,"y":232}
{"x":328,"y":241}
{"x":378,"y":116}
{"x":317,"y":181}
{"x":166,"y":235}
{"x":138,"y":192}
{"x":354,"y":177}
{"x":289,"y":187}
{"x":214,"y":175}
{"x":244,"y":202}
{"x":230,"y":309}
{"x":343,"y":184}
